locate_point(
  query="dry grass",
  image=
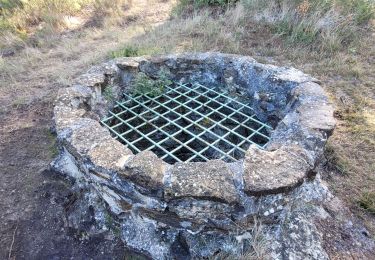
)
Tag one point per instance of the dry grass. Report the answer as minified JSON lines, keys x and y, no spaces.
{"x":253,"y":243}
{"x":42,"y":19}
{"x":367,"y":201}
{"x":325,"y":24}
{"x":33,"y":74}
{"x":347,"y":73}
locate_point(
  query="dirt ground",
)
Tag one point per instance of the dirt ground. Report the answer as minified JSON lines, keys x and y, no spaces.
{"x":32,"y":199}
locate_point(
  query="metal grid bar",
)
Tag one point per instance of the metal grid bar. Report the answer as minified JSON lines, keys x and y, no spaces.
{"x":208,"y":122}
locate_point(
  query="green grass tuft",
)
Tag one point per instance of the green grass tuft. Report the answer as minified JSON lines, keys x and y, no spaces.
{"x":143,"y":84}
{"x":200,"y":3}
{"x":53,"y":150}
{"x":127,"y":51}
{"x":108,"y":93}
{"x":367,"y":202}
{"x":336,"y":161}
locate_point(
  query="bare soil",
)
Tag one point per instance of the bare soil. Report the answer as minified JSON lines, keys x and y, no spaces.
{"x":32,"y":199}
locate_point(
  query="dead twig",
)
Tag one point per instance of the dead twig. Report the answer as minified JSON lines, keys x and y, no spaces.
{"x":11,"y":245}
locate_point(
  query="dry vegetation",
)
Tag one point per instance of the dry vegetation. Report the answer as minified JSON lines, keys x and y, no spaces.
{"x":20,"y":19}
{"x":331,"y":39}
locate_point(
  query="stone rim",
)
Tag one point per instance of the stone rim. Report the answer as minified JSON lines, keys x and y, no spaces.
{"x":303,"y":129}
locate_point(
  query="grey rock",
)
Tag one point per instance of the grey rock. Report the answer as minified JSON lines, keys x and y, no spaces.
{"x":276,"y":171}
{"x":110,"y":154}
{"x":145,"y":169}
{"x":209,"y":180}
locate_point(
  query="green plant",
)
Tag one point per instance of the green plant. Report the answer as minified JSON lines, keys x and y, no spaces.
{"x":367,"y":202}
{"x":127,"y":51}
{"x":108,"y":93}
{"x":111,"y":223}
{"x":364,"y":10}
{"x":213,"y":2}
{"x":53,"y":150}
{"x":336,"y":161}
{"x":143,"y":84}
{"x":9,"y":5}
{"x":206,"y":122}
{"x":196,"y":4}
{"x":200,"y":3}
{"x":303,"y":32}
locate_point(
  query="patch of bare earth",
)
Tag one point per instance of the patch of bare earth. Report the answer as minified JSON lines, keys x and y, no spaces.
{"x":33,"y":201}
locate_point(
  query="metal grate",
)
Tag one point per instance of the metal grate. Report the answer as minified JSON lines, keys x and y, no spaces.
{"x":189,"y":122}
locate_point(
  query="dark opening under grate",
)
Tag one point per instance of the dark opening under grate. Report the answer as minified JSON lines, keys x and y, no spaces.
{"x":188,"y":122}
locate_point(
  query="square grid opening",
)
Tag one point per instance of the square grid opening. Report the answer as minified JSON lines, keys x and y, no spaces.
{"x":188,"y":122}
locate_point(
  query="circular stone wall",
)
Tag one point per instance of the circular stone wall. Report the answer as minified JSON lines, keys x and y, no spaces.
{"x":167,"y":210}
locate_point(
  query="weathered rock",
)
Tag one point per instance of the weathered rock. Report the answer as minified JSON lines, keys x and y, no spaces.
{"x":146,"y":169}
{"x":91,"y":79}
{"x":210,"y":180}
{"x":125,"y":64}
{"x":268,"y":172}
{"x":207,"y":212}
{"x":76,"y":97}
{"x":291,"y":75}
{"x":84,"y":135}
{"x":310,"y":91}
{"x":115,"y":202}
{"x":317,"y":116}
{"x":65,"y":116}
{"x":110,"y":154}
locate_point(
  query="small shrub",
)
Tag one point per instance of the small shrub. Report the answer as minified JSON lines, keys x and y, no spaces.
{"x":127,"y":51}
{"x":5,"y":25}
{"x":144,"y":85}
{"x":108,"y":93}
{"x":200,"y":3}
{"x":335,"y":161}
{"x":302,"y":33}
{"x":9,"y":5}
{"x":367,"y":202}
{"x":213,"y":2}
{"x":109,"y":7}
{"x":184,"y":5}
{"x":364,"y":11}
{"x":53,"y":150}
{"x":133,"y":51}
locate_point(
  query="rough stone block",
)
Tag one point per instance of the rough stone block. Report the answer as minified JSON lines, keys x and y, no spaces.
{"x":129,"y":63}
{"x":292,"y":75}
{"x":310,"y":90}
{"x":84,"y":135}
{"x":317,"y":116}
{"x":65,"y":116}
{"x":268,"y":172}
{"x":199,"y":211}
{"x":76,"y":96}
{"x":146,"y":170}
{"x":91,"y":79}
{"x":211,"y":180}
{"x":110,"y":154}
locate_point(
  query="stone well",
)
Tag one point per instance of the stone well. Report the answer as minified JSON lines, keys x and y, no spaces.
{"x":202,"y":209}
